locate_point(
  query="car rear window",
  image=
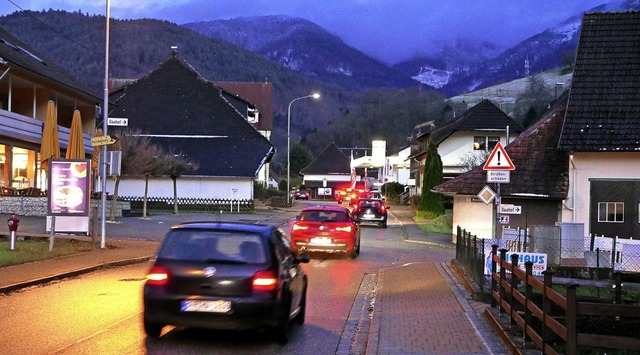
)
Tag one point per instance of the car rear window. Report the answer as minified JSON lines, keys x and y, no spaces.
{"x":220,"y":246}
{"x":372,"y":204}
{"x":323,"y":216}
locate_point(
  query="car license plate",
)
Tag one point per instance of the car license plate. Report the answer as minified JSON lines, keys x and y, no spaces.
{"x":321,"y":241}
{"x":369,"y":215}
{"x":206,"y":306}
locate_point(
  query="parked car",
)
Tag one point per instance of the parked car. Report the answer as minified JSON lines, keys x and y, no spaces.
{"x":371,"y":210}
{"x":326,"y":228}
{"x":223,"y":275}
{"x":301,"y":195}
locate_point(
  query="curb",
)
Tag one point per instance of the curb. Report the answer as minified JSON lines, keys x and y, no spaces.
{"x":10,"y":288}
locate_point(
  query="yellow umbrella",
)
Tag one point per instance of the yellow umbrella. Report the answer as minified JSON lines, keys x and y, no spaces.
{"x":50,"y":147}
{"x":75,"y":147}
{"x":95,"y":163}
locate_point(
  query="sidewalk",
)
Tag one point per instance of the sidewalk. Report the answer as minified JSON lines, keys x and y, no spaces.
{"x":420,"y":308}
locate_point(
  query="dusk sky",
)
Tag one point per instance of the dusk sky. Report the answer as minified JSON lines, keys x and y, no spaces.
{"x":388,"y":30}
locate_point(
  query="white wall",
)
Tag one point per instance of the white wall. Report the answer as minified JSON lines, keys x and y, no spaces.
{"x":188,"y":187}
{"x":601,"y":165}
{"x":475,"y":217}
{"x":460,"y":143}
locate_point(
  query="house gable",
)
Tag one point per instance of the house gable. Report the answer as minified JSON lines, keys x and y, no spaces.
{"x":331,"y":161}
{"x":180,"y":110}
{"x":541,"y":171}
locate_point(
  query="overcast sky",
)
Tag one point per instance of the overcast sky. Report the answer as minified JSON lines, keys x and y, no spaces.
{"x":388,"y":30}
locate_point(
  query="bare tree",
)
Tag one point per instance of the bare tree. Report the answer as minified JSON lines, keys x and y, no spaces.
{"x":176,"y":165}
{"x":470,"y":160}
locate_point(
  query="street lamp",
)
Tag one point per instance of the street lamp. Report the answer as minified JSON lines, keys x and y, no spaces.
{"x":314,"y":96}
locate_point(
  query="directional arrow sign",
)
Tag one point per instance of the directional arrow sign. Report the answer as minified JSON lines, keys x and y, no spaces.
{"x":116,"y":121}
{"x":510,"y":209}
{"x":102,"y":140}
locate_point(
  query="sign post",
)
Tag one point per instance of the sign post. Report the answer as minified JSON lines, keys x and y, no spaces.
{"x":498,"y":167}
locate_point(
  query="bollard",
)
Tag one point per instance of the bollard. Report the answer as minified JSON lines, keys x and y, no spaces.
{"x":13,"y":223}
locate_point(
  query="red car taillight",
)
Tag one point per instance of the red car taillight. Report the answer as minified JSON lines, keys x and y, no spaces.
{"x":296,"y":227}
{"x":344,"y":229}
{"x":265,"y":281}
{"x":157,"y":276}
{"x":382,"y":209}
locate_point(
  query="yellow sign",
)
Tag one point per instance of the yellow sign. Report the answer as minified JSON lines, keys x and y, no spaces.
{"x":102,"y":140}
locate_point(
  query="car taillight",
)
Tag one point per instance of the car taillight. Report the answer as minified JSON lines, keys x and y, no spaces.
{"x":344,"y":229}
{"x":157,"y":276}
{"x":265,"y":281}
{"x":299,"y":227}
{"x":382,"y":209}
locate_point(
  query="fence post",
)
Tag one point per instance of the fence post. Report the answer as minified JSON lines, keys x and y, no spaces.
{"x":528,"y":295}
{"x":481,"y":265}
{"x":503,"y":256}
{"x":546,"y":306}
{"x":474,"y":257}
{"x":613,"y":252}
{"x":458,"y":241}
{"x":494,"y":270}
{"x":572,"y":330}
{"x":618,"y":291}
{"x":514,"y":286}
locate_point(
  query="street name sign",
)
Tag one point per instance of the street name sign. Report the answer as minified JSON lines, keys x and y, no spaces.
{"x":102,"y":140}
{"x":510,"y":209}
{"x":499,"y":159}
{"x":115,"y":121}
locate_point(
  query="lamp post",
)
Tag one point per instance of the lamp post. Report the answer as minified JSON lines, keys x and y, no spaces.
{"x":313,"y":96}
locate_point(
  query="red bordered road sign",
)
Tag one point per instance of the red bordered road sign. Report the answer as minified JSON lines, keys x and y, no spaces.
{"x":499,"y":159}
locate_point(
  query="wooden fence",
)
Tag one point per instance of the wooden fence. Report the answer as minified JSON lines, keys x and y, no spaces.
{"x":537,"y":322}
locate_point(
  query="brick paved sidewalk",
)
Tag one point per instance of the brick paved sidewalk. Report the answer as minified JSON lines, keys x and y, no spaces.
{"x":416,"y":312}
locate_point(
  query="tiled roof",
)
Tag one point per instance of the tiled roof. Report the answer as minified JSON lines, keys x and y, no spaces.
{"x":331,"y":161}
{"x":483,"y":116}
{"x":20,"y":56}
{"x":179,"y":109}
{"x":259,"y":94}
{"x":604,"y":103}
{"x":540,"y":170}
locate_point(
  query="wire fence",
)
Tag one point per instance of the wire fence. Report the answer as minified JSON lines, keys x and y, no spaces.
{"x":564,"y":250}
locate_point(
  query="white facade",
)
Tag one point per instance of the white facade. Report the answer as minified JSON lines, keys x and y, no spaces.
{"x":453,"y":149}
{"x":474,"y":216}
{"x":595,"y":165}
{"x":188,"y":187}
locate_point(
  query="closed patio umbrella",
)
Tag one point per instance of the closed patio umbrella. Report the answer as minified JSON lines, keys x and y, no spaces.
{"x":75,"y":148}
{"x":50,"y":147}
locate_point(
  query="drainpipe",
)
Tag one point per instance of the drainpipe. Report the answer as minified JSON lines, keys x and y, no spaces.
{"x":572,"y":208}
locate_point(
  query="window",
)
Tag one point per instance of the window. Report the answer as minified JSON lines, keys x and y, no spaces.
{"x":479,"y":143}
{"x":493,"y":141}
{"x":485,"y":143}
{"x":611,"y":212}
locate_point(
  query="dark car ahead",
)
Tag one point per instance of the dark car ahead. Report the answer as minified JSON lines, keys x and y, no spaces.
{"x":371,"y":210}
{"x":230,"y":276}
{"x":301,"y":195}
{"x":326,"y":228}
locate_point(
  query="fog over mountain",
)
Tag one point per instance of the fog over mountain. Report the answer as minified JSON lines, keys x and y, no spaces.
{"x":390,"y":31}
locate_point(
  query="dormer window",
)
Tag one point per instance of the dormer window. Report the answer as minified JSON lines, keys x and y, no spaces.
{"x":253,"y":115}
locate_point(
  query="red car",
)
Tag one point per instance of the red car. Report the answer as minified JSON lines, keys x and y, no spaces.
{"x":328,"y":229}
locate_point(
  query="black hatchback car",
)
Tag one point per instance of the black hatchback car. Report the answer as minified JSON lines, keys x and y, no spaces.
{"x":371,"y":210}
{"x":228,"y":276}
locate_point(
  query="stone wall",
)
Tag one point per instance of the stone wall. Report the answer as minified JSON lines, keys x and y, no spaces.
{"x":37,"y":206}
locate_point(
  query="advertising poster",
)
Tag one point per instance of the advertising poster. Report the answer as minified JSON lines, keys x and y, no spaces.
{"x":69,"y":187}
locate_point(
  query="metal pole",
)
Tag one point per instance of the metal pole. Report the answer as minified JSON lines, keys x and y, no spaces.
{"x":315,"y":96}
{"x":103,"y":158}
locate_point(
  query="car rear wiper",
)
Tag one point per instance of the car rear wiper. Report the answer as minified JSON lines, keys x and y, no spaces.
{"x":225,"y":261}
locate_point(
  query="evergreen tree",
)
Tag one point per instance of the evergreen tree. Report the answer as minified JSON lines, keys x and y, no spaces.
{"x":432,"y":202}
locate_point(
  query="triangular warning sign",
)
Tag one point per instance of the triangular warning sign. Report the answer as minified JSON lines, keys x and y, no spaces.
{"x":499,"y":159}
